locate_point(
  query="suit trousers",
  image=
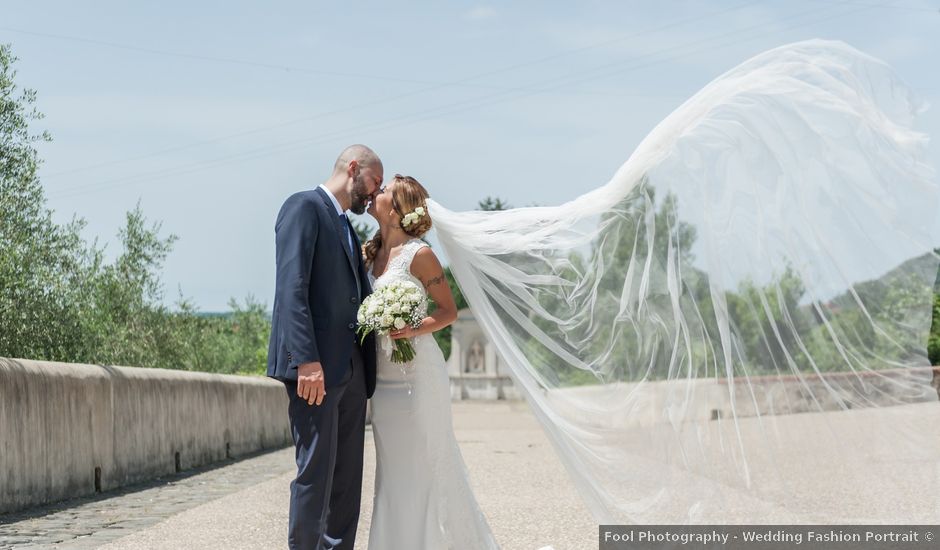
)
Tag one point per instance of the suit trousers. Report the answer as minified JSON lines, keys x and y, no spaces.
{"x":329,"y":439}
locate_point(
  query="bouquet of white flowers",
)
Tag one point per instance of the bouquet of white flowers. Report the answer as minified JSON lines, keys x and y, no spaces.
{"x":389,"y":308}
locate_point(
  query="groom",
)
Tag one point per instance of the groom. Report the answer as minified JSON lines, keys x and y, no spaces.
{"x":321,"y":280}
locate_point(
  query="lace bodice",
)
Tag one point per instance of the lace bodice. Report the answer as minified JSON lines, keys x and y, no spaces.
{"x":399,"y":269}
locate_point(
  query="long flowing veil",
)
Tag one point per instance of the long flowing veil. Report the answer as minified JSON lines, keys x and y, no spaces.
{"x":733,"y":329}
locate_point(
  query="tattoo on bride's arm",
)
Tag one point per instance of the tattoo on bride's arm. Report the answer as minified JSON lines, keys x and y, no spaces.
{"x":435,"y":281}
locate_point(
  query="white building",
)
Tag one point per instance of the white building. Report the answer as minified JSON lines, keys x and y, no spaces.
{"x":474,"y":367}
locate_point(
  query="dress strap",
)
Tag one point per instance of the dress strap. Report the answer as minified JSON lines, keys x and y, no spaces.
{"x":407,"y":254}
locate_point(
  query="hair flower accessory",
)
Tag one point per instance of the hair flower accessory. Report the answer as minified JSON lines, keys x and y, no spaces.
{"x":413,"y":217}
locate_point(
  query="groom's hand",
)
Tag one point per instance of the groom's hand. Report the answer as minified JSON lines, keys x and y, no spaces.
{"x":311,"y":384}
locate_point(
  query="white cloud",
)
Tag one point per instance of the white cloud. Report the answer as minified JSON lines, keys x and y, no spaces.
{"x":479,"y":13}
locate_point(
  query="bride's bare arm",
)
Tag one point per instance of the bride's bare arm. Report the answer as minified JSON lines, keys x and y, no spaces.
{"x":428,"y":270}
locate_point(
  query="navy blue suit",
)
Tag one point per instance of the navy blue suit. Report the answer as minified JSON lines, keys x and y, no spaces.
{"x":320,"y":284}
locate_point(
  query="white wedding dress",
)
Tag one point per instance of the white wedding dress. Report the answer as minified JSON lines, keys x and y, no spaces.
{"x":422,"y":497}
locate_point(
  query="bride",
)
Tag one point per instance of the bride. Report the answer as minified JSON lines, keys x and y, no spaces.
{"x":422,"y":491}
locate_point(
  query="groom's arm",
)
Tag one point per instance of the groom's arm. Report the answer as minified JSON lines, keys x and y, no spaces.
{"x":295,"y":236}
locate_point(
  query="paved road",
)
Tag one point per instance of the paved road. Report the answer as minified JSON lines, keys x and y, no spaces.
{"x":520,"y":484}
{"x":524,"y":490}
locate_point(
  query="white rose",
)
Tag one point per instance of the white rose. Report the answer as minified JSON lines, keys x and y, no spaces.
{"x":394,"y":308}
{"x":419,"y":210}
{"x":387,"y":320}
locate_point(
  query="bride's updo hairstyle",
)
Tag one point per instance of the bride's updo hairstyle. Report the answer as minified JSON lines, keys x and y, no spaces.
{"x":409,"y":199}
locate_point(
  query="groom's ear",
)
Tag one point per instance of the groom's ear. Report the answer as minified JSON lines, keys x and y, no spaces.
{"x":352,"y":168}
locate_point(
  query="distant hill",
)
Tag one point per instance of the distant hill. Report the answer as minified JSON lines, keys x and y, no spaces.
{"x":922,"y":268}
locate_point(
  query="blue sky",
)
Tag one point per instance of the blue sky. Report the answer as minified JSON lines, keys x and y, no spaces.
{"x":211,"y":113}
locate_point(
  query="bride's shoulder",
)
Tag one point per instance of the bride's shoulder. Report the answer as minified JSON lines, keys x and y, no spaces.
{"x":415,"y":248}
{"x":425,"y":264}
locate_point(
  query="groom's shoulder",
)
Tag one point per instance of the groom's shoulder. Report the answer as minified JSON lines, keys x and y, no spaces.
{"x":303,"y":205}
{"x":306,"y":200}
{"x":305,"y":196}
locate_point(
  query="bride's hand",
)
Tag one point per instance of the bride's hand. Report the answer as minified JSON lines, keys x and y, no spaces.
{"x":406,"y":332}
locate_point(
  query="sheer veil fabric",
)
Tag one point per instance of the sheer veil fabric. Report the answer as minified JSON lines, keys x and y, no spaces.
{"x":733,"y":329}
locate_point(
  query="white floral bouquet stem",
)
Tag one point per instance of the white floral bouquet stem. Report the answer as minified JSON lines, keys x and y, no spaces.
{"x":403,"y":352}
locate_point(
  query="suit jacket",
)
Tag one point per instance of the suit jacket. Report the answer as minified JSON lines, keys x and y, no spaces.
{"x":319,"y":287}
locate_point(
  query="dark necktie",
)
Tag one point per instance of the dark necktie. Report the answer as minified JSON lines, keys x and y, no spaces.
{"x":349,"y":239}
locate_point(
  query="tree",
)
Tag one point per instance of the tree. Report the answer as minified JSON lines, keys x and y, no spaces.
{"x":60,"y":300}
{"x":491,"y":204}
{"x":363,"y":230}
{"x":933,"y":344}
{"x":38,"y":258}
{"x":765,"y":328}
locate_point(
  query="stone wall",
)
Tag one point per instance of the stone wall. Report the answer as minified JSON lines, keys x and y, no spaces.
{"x":69,"y":430}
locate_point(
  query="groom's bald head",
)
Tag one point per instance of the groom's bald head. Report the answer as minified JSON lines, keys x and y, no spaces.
{"x":363,"y":156}
{"x":357,"y":175}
